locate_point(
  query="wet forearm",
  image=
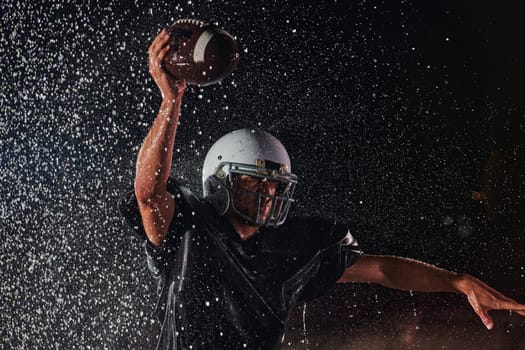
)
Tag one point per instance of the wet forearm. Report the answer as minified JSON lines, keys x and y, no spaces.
{"x":155,"y":155}
{"x":409,"y":274}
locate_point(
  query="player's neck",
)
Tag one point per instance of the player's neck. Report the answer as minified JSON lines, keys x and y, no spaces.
{"x":241,"y":227}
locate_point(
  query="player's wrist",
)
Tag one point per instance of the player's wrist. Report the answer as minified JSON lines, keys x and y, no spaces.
{"x":171,"y":99}
{"x":461,"y":282}
{"x":169,"y":108}
{"x":173,"y":95}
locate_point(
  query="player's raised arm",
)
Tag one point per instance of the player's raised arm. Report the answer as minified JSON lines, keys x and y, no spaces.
{"x":408,"y":274}
{"x":156,"y":205}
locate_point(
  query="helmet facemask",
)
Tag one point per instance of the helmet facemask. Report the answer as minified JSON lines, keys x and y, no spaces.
{"x":254,"y":206}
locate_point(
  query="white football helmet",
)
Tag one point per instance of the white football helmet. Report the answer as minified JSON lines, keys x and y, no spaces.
{"x":255,"y":153}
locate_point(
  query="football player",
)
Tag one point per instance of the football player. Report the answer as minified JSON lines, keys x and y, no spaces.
{"x":231,"y":265}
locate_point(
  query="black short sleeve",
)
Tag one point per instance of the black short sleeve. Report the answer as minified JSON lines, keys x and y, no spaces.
{"x":157,"y":257}
{"x":129,"y":210}
{"x":350,"y":250}
{"x":336,"y":253}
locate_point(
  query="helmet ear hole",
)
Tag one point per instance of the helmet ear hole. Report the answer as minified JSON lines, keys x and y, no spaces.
{"x":217,"y":194}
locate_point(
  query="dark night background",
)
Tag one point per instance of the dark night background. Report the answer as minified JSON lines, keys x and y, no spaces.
{"x":396,"y":114}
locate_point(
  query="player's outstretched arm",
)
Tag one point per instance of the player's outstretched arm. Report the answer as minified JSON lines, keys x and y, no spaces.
{"x":156,"y":205}
{"x":408,"y":274}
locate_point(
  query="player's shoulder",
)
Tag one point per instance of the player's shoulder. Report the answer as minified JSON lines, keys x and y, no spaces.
{"x":189,"y":206}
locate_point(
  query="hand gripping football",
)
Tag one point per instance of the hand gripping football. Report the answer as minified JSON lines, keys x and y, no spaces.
{"x":201,"y":53}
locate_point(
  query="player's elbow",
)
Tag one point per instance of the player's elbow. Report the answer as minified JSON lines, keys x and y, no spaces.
{"x":367,"y":269}
{"x":143,"y":191}
{"x":149,"y":182}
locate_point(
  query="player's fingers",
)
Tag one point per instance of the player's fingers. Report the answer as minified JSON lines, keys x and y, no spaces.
{"x":509,"y":304}
{"x":157,"y":59}
{"x":522,"y":313}
{"x":157,"y":63}
{"x":163,"y":52}
{"x":158,"y":43}
{"x":155,"y":41}
{"x":486,"y":319}
{"x":480,"y":311}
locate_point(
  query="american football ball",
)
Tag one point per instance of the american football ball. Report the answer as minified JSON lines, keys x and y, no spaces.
{"x":201,"y":53}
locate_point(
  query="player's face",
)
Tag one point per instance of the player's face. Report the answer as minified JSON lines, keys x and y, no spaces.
{"x":247,"y":202}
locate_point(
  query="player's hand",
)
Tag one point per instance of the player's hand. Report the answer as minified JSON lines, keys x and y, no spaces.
{"x":170,"y":87}
{"x":483,"y":298}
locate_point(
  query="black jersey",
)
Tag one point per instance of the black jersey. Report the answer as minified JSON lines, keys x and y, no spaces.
{"x":217,"y":291}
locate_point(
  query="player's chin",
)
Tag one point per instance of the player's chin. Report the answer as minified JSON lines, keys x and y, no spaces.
{"x":255,"y":223}
{"x":258,"y":215}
